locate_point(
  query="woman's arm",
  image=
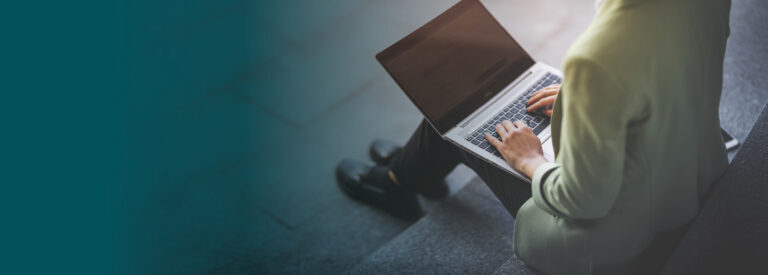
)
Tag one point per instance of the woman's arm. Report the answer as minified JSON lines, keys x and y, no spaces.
{"x":587,"y":177}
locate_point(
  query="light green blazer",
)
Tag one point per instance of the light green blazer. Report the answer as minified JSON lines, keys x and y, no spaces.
{"x":636,"y":133}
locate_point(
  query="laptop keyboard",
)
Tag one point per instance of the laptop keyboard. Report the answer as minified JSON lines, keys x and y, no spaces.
{"x":513,"y":112}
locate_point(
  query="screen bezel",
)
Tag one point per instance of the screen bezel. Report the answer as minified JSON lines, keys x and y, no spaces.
{"x":444,"y":123}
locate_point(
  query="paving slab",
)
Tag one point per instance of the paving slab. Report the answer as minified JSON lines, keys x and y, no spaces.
{"x":198,"y":142}
{"x":317,"y":75}
{"x":330,"y":242}
{"x":300,"y":21}
{"x":196,"y":216}
{"x":545,"y":29}
{"x":466,"y":234}
{"x":163,"y":19}
{"x":207,"y":57}
{"x":204,"y":226}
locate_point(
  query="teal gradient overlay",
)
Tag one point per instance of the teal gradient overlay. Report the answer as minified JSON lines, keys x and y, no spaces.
{"x":188,"y":128}
{"x":61,"y":136}
{"x":167,"y":137}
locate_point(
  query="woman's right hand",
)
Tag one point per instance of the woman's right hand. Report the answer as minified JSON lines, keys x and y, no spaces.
{"x":544,"y":98}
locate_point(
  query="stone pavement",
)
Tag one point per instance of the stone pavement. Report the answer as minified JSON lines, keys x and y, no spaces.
{"x":264,"y":199}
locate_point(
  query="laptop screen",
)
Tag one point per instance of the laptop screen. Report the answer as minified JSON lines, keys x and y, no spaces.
{"x":455,"y":63}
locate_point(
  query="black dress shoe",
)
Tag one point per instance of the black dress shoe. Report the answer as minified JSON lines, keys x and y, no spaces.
{"x":382,"y":151}
{"x":370,"y":184}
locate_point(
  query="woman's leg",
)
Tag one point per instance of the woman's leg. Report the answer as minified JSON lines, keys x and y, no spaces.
{"x":509,"y":189}
{"x":427,"y":158}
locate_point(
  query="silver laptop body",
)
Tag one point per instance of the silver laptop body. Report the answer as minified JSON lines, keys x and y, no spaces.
{"x":466,"y":74}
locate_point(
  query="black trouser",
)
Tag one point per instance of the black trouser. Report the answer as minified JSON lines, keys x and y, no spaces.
{"x":427,"y":158}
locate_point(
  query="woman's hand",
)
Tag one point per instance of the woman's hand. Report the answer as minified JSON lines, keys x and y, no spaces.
{"x":543,"y":98}
{"x":519,"y":146}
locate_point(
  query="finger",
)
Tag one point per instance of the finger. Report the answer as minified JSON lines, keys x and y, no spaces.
{"x":541,"y":94}
{"x":548,"y":112}
{"x":508,"y":125}
{"x":549,"y":88}
{"x":545,"y":89}
{"x":526,"y":129}
{"x":495,"y":142}
{"x":547,"y":101}
{"x":520,"y":125}
{"x":502,"y":132}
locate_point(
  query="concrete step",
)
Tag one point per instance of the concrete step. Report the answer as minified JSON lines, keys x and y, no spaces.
{"x":514,"y":266}
{"x":729,"y":236}
{"x":470,"y":232}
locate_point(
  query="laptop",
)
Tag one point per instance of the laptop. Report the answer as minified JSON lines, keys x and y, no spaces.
{"x":466,"y":74}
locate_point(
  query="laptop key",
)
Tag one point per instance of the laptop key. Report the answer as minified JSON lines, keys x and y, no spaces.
{"x":538,"y":129}
{"x":516,"y":110}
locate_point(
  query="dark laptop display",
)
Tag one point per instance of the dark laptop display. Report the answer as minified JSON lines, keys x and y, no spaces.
{"x":455,"y":63}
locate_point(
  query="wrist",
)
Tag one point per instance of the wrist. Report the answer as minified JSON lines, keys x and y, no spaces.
{"x":528,"y":166}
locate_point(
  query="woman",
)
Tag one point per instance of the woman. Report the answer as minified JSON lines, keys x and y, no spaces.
{"x":636,"y":135}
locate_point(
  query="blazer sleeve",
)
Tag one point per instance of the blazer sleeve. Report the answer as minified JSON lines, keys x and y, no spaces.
{"x":586,"y":177}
